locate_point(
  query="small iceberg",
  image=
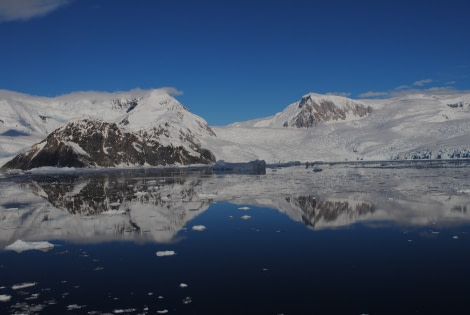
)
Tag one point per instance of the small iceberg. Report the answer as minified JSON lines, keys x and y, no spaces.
{"x":21,"y":246}
{"x":246,"y":217}
{"x":164,"y":253}
{"x":244,"y":208}
{"x":5,"y":298}
{"x":23,"y":285}
{"x":199,"y":228}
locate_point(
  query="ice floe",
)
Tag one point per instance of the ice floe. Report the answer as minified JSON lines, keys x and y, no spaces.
{"x":246,"y":217}
{"x":122,"y":311}
{"x":183,"y":285}
{"x":5,"y":298}
{"x":162,"y":311}
{"x":165,"y":253}
{"x":244,"y":208}
{"x":199,"y":228}
{"x":20,"y":246}
{"x":23,"y":285}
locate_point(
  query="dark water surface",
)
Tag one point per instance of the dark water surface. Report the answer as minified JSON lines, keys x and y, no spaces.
{"x":352,"y":239}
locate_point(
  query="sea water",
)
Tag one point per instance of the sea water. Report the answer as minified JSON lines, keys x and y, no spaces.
{"x":367,"y":238}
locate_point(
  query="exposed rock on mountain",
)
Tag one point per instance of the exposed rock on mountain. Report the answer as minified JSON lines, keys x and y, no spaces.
{"x":101,"y":129}
{"x":311,"y":110}
{"x":96,"y":143}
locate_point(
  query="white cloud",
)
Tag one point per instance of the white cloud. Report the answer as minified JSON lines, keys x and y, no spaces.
{"x":373,"y":94}
{"x":344,"y":94}
{"x":402,"y":87}
{"x":12,"y":10}
{"x":422,"y":82}
{"x":172,"y":91}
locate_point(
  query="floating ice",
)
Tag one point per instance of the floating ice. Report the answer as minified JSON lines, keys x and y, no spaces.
{"x":5,"y":298}
{"x":246,"y":217}
{"x":20,"y":246}
{"x":455,"y":237}
{"x":114,"y":204}
{"x":187,"y":300}
{"x":244,"y":208}
{"x":165,"y":253}
{"x":23,"y":285}
{"x":199,"y":228}
{"x":151,"y":182}
{"x":162,"y":311}
{"x":72,"y":307}
{"x":121,"y":311}
{"x":183,"y":285}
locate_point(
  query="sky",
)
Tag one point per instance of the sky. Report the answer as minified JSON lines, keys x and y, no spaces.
{"x":235,"y":60}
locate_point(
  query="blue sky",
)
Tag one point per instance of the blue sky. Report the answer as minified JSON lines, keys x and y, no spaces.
{"x":235,"y":60}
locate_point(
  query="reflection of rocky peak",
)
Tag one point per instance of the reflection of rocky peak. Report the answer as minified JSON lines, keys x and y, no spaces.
{"x":311,"y":110}
{"x":88,"y":142}
{"x":148,"y":205}
{"x":101,"y":194}
{"x":332,"y":213}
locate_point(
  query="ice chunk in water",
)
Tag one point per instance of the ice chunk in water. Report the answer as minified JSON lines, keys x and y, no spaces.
{"x":165,"y":253}
{"x":199,"y":228}
{"x":5,"y":298}
{"x":20,"y":246}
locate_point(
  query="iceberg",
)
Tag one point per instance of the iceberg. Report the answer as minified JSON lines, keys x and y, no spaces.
{"x":20,"y":246}
{"x":199,"y":228}
{"x":165,"y":253}
{"x":253,"y":167}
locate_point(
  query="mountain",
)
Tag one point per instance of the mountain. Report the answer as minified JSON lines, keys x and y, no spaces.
{"x":101,"y":129}
{"x":96,"y":143}
{"x":155,"y":129}
{"x":312,"y":110}
{"x":333,"y":128}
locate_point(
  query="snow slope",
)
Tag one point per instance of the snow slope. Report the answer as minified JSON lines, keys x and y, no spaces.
{"x":26,"y":120}
{"x":412,"y":126}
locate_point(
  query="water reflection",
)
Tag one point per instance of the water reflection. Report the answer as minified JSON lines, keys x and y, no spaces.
{"x":154,"y":204}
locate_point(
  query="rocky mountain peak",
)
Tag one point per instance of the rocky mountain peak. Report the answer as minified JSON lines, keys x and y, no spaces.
{"x":311,"y":110}
{"x":97,"y":143}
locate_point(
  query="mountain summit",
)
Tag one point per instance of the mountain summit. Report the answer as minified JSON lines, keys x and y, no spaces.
{"x":105,"y":130}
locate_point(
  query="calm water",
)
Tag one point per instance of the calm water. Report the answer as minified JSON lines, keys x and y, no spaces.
{"x":351,"y":239}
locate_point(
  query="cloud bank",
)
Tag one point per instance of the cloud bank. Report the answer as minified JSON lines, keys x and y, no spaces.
{"x":23,"y":10}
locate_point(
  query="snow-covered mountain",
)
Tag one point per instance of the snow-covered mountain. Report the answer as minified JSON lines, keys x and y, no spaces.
{"x":317,"y":127}
{"x":312,"y":110}
{"x":101,"y":129}
{"x":335,"y":128}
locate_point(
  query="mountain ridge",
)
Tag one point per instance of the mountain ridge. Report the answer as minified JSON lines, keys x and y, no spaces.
{"x":317,"y":127}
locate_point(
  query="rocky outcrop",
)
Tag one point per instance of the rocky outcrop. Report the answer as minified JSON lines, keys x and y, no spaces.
{"x":312,"y":110}
{"x":96,"y":143}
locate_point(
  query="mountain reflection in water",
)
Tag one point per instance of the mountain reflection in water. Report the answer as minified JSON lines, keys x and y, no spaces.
{"x":154,"y":204}
{"x":352,"y":239}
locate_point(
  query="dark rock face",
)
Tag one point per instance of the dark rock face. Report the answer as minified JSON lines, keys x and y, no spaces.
{"x":95,"y":143}
{"x":312,"y":112}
